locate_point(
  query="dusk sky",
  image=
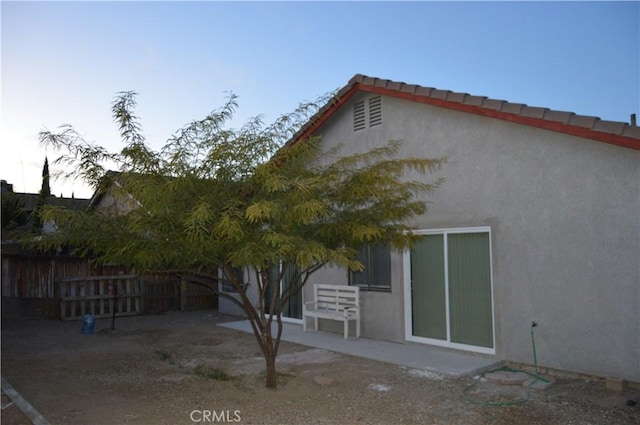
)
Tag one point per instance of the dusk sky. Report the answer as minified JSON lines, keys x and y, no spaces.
{"x":63,"y":62}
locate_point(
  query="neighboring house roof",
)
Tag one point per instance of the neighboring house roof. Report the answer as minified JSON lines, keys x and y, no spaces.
{"x":617,"y":133}
{"x":110,"y":179}
{"x":29,"y":201}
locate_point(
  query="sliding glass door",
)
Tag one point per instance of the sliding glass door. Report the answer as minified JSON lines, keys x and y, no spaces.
{"x":451,"y":289}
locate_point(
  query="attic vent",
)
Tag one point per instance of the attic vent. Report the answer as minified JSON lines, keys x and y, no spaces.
{"x":358,"y":116}
{"x":375,"y":111}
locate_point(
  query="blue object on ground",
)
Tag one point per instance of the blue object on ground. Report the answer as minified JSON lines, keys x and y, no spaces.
{"x":88,"y":324}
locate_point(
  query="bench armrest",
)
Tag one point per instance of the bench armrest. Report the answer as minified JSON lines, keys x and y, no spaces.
{"x":350,"y":309}
{"x":315,"y":304}
{"x":346,"y":310}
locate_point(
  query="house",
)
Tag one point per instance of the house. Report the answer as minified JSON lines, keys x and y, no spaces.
{"x":28,"y":276}
{"x":111,"y":197}
{"x":538,"y":221}
{"x":26,"y":204}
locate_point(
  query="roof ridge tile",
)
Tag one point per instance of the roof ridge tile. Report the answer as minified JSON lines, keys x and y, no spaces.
{"x":495,"y":104}
{"x":533,"y":111}
{"x":368,"y":80}
{"x":456,"y":97}
{"x":358,"y":78}
{"x":408,"y":88}
{"x":424,"y":91}
{"x":393,"y":85}
{"x":440,"y":94}
{"x":474,"y":100}
{"x":558,"y":116}
{"x":631,"y":131}
{"x":512,"y":108}
{"x":585,"y":121}
{"x":613,"y":127}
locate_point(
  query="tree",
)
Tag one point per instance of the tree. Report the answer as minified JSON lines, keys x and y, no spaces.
{"x":43,"y":196}
{"x":45,"y":190}
{"x":250,"y":198}
{"x":14,"y":214}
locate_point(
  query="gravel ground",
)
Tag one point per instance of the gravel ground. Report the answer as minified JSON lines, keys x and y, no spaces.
{"x":180,"y":368}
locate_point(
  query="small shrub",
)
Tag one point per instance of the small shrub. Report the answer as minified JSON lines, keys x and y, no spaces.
{"x":165,"y":356}
{"x":216,"y":374}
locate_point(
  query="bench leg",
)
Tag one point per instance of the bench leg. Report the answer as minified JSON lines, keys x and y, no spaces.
{"x":304,"y":323}
{"x":346,"y":329}
{"x":358,"y":326}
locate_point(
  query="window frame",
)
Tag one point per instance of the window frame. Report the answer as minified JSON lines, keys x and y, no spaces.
{"x":408,"y":292}
{"x":367,"y":267}
{"x":281,"y":283}
{"x":229,"y":287}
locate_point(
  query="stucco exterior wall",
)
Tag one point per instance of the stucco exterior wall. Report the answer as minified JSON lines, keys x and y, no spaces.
{"x":564,"y":214}
{"x":379,"y":310}
{"x":227,"y":306}
{"x":113,"y":202}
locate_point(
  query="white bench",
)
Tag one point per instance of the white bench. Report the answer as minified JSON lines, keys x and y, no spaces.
{"x":333,"y":302}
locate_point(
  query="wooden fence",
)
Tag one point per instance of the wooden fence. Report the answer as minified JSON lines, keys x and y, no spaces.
{"x":198,"y":293}
{"x":161,"y":294}
{"x":31,"y":282}
{"x":64,"y":287}
{"x":33,"y":276}
{"x":165,"y":293}
{"x":103,"y":296}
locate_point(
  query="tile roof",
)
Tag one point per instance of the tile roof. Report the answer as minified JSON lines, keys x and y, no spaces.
{"x":617,"y":133}
{"x":29,"y":201}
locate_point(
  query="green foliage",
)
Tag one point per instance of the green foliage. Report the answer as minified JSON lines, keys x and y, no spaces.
{"x":13,"y":213}
{"x":215,"y":374}
{"x":43,"y":195}
{"x":45,"y":190}
{"x":165,"y":356}
{"x":245,"y":198}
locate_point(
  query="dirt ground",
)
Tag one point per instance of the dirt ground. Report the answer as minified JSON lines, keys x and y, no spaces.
{"x":180,"y":368}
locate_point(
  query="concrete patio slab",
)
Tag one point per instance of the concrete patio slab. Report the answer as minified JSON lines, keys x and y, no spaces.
{"x":411,"y":355}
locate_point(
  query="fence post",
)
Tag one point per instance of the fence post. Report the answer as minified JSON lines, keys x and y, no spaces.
{"x":183,"y":294}
{"x":61,"y":295}
{"x":115,"y":298}
{"x":142,"y":287}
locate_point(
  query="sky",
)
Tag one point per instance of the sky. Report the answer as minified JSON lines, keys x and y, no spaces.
{"x":64,"y":62}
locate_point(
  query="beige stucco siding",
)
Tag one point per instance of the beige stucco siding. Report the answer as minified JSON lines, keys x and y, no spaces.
{"x":564,"y":214}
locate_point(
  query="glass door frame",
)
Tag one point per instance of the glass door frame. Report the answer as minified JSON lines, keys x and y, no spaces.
{"x":408,"y":302}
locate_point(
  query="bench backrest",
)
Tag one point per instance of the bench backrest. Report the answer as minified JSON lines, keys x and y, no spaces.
{"x":334,"y":296}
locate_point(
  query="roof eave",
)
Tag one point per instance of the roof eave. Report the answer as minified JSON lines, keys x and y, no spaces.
{"x":403,"y":91}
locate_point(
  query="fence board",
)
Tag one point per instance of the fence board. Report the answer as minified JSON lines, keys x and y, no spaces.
{"x":79,"y":296}
{"x":32,"y":277}
{"x":199,"y":294}
{"x":161,"y":294}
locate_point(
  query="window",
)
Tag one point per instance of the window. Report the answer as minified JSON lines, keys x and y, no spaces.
{"x":227,"y":281}
{"x":376,"y":275}
{"x":292,"y":309}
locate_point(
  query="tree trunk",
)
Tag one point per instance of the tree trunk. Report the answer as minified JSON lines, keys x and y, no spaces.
{"x":270,"y":360}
